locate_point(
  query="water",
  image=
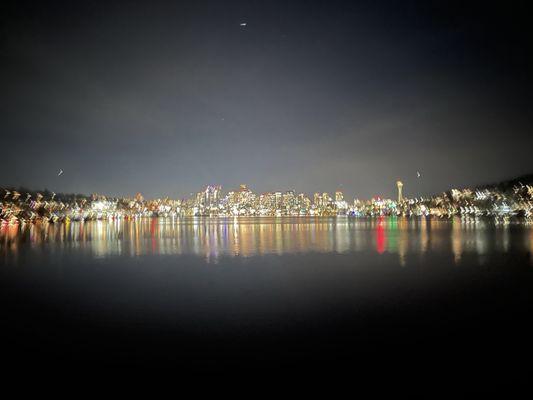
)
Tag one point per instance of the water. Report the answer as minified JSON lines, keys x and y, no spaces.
{"x":214,"y":238}
{"x":315,"y":295}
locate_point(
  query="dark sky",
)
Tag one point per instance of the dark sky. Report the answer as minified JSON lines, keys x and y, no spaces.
{"x":165,"y":98}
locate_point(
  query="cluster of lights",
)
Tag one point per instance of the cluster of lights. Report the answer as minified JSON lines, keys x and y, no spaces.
{"x":18,"y":207}
{"x":244,"y":202}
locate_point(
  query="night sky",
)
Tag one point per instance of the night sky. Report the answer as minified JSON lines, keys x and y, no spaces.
{"x":313,"y":96}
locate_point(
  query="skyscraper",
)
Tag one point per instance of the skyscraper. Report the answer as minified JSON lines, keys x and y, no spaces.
{"x":325,"y":199}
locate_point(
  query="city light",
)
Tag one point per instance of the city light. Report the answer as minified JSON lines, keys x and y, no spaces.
{"x":16,"y":207}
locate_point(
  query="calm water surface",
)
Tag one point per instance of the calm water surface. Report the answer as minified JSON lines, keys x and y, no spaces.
{"x":382,"y":299}
{"x":246,"y":237}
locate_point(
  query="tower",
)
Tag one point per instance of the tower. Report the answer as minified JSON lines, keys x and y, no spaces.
{"x":400,"y":186}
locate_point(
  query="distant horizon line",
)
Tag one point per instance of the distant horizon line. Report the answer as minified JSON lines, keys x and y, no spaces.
{"x":528,"y":178}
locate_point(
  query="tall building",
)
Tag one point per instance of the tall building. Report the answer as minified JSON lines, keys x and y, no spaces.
{"x":339,"y":201}
{"x":211,"y":195}
{"x":200,"y":199}
{"x":245,"y":195}
{"x":288,"y":199}
{"x":279,"y":198}
{"x":399,"y":184}
{"x":325,"y":199}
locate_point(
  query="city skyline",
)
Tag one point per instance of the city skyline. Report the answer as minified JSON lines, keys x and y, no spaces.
{"x":506,"y":200}
{"x":392,"y":190}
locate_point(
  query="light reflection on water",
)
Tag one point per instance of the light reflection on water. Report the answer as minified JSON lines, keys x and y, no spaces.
{"x":213,"y":238}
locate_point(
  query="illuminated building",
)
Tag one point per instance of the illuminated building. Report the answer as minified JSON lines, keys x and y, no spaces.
{"x":211,"y":196}
{"x":399,"y":184}
{"x":288,"y":200}
{"x":340,"y":204}
{"x":467,"y":203}
{"x":279,"y":199}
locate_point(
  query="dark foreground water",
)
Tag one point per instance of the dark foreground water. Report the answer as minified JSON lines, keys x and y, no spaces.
{"x":420,"y":303}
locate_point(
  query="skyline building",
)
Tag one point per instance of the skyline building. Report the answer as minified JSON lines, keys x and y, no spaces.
{"x":399,"y":184}
{"x":325,"y":199}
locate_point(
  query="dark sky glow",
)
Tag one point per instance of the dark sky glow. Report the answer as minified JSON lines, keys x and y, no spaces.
{"x":166,"y":98}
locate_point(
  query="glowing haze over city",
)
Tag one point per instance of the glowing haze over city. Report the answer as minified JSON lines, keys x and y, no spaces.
{"x":166,"y":97}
